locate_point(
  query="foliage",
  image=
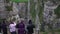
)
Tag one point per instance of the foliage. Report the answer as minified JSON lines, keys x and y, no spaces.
{"x":45,"y":32}
{"x":13,"y":19}
{"x":8,"y":8}
{"x":40,"y":13}
{"x":0,"y":19}
{"x":40,"y":8}
{"x":7,"y":1}
{"x":32,"y":11}
{"x":57,"y":11}
{"x":17,"y":1}
{"x":55,"y":30}
{"x":58,"y":32}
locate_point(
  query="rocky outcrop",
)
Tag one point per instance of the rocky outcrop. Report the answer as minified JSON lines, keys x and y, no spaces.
{"x":49,"y":11}
{"x":3,"y":13}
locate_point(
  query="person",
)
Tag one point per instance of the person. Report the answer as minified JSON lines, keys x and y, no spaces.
{"x":0,"y":27}
{"x":21,"y":27}
{"x":30,"y":27}
{"x":12,"y":28}
{"x":4,"y":27}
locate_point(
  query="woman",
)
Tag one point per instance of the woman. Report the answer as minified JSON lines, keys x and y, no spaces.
{"x":21,"y":27}
{"x":12,"y":28}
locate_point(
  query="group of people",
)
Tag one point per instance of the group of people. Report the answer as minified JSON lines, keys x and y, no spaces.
{"x":18,"y":28}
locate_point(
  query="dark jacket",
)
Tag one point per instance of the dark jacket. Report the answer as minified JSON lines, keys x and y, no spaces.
{"x":4,"y":27}
{"x":30,"y":27}
{"x":0,"y":27}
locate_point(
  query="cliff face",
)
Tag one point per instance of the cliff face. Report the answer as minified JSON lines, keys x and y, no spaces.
{"x":2,"y":9}
{"x":3,"y":12}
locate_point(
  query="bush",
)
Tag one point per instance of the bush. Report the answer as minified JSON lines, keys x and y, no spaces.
{"x":57,"y":11}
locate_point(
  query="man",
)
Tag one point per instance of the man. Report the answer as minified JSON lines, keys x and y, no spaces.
{"x":30,"y":27}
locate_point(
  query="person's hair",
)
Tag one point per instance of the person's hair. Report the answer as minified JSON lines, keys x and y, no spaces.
{"x":11,"y":22}
{"x":30,"y":22}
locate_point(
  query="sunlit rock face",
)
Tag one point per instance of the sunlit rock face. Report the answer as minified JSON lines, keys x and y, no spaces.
{"x":48,"y":14}
{"x":49,"y":11}
{"x":18,"y":11}
{"x":19,"y":8}
{"x":3,"y":13}
{"x":22,"y":9}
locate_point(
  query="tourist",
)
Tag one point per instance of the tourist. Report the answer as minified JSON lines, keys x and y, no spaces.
{"x":12,"y":28}
{"x":30,"y":27}
{"x":21,"y":27}
{"x":0,"y":27}
{"x":4,"y":27}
